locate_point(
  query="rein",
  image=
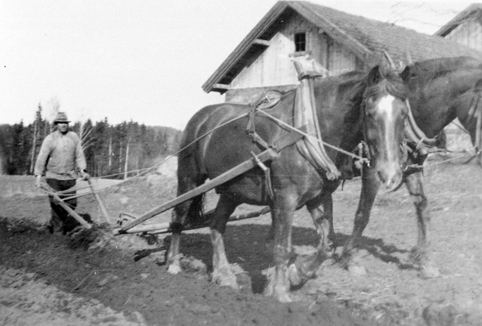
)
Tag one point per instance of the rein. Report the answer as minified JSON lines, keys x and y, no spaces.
{"x":423,"y":145}
{"x":417,"y":167}
{"x":426,"y":145}
{"x":284,"y":124}
{"x":363,"y":147}
{"x":415,"y":134}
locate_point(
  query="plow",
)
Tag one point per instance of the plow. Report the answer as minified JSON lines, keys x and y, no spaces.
{"x":304,"y":132}
{"x":132,"y":225}
{"x":109,"y":228}
{"x":127,"y":223}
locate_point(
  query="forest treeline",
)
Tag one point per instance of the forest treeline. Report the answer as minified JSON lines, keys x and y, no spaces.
{"x":114,"y":151}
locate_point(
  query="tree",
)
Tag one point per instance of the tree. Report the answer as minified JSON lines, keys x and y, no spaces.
{"x":37,"y":126}
{"x":18,"y":147}
{"x":3,"y":148}
{"x":112,"y":150}
{"x":101,"y":148}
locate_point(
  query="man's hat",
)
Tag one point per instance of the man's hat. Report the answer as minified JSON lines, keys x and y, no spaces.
{"x":61,"y":117}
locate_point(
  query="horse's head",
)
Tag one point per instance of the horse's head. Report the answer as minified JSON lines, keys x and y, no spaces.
{"x":384,"y":112}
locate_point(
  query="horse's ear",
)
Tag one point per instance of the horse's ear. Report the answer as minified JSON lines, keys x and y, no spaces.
{"x":384,"y":65}
{"x":380,"y":71}
{"x":406,"y":73}
{"x":376,"y":74}
{"x":389,"y":60}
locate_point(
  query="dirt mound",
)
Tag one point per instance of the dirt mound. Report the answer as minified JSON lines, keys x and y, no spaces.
{"x":28,"y":300}
{"x":139,"y":288}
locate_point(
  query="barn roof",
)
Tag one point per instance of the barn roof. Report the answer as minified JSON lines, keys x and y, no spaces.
{"x":472,"y":12}
{"x":364,"y":37}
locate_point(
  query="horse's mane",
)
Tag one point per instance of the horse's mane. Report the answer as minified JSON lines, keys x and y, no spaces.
{"x":390,"y":83}
{"x":433,"y":68}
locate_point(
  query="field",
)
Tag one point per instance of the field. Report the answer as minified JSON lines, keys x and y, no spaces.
{"x":54,"y":280}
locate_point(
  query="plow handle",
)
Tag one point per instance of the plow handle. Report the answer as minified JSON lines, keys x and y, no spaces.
{"x":71,"y":211}
{"x":99,"y":200}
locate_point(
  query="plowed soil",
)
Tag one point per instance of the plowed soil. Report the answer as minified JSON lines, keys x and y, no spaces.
{"x":58,"y":280}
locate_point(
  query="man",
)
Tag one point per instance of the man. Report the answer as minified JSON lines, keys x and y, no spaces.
{"x":60,"y":159}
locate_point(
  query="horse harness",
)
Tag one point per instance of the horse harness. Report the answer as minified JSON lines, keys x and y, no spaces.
{"x":316,"y":156}
{"x":415,"y":144}
{"x":278,"y":145}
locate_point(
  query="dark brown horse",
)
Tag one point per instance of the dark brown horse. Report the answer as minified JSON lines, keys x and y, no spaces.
{"x":440,"y":91}
{"x":220,"y":142}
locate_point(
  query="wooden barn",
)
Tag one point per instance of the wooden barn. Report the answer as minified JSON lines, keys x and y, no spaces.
{"x":465,"y":28}
{"x":340,"y":41}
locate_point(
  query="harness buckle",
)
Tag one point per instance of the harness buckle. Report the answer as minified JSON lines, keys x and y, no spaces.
{"x":267,"y":173}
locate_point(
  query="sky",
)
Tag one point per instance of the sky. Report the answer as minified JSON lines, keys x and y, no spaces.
{"x":143,"y":60}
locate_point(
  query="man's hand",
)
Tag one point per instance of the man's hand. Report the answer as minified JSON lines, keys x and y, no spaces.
{"x":84,"y":175}
{"x":38,"y":181}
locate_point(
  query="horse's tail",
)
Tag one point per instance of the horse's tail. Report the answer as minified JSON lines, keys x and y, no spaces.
{"x":195,"y":214}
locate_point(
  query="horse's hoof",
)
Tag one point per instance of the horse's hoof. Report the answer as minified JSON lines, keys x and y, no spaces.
{"x":283,"y":297}
{"x":429,"y":271}
{"x":344,"y":261}
{"x":225,"y":278}
{"x":268,"y":290}
{"x":427,"y":268}
{"x":357,"y":270}
{"x":294,"y":276}
{"x":273,"y":289}
{"x":280,"y":295}
{"x":174,"y":269}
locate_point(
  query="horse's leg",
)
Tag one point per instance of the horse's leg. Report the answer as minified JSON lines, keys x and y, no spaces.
{"x":421,"y":251}
{"x":368,"y":193}
{"x":330,"y":240}
{"x":282,"y":212}
{"x":179,"y":218}
{"x":322,"y":216}
{"x":178,"y":221}
{"x":305,"y":268}
{"x":222,"y":273}
{"x":272,"y":229}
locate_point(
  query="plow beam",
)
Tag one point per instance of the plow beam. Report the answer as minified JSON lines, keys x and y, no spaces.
{"x":226,"y":176}
{"x":159,"y":228}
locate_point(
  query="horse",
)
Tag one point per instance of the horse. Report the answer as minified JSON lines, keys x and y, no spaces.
{"x":440,"y":90}
{"x":215,"y":140}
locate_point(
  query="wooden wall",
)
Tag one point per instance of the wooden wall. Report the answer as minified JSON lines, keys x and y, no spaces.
{"x":274,"y":67}
{"x":468,"y":33}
